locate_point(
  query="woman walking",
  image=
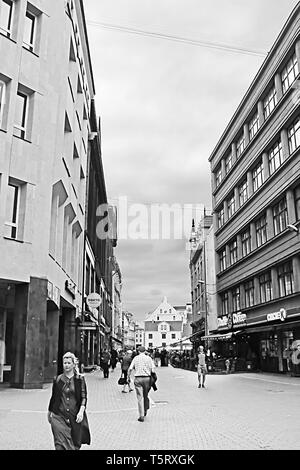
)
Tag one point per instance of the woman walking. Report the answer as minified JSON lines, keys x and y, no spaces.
{"x":125,"y":366}
{"x":66,"y":411}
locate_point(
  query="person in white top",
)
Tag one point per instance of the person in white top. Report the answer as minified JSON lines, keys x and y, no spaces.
{"x":141,"y":367}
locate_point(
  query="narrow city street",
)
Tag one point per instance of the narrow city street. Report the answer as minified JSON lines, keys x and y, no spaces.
{"x":243,"y":411}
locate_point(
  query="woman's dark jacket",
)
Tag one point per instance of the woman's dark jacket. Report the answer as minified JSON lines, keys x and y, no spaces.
{"x":80,"y":431}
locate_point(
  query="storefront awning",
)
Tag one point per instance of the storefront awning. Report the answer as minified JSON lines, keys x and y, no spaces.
{"x":220,"y":336}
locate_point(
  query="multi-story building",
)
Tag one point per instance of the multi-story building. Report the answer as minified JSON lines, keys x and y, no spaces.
{"x":256,"y":203}
{"x":164,"y":326}
{"x":203,"y":279}
{"x":139,"y":335}
{"x":117,"y":337}
{"x":96,"y":327}
{"x":46,"y":88}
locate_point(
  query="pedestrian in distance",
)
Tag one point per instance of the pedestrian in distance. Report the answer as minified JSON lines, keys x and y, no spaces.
{"x":105,"y":362}
{"x":156,"y":357}
{"x":114,"y":359}
{"x":201,"y":367}
{"x":142,"y":366}
{"x":67,"y":407}
{"x":124,"y":367}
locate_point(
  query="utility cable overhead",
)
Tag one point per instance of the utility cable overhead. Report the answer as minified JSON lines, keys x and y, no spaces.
{"x":169,"y":37}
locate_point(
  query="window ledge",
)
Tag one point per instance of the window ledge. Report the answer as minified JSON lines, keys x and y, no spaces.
{"x":31,"y":52}
{"x":20,"y":138}
{"x":7,"y":37}
{"x":14,"y":239}
{"x":3,"y":130}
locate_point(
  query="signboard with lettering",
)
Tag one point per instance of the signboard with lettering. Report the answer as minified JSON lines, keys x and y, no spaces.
{"x":232,"y":319}
{"x":281,"y":315}
{"x":93,"y":301}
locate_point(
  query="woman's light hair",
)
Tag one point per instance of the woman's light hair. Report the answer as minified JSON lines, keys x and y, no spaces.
{"x":70,"y":355}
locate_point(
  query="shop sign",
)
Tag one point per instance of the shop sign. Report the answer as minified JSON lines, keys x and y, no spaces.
{"x":70,"y":287}
{"x":222,"y":321}
{"x":281,"y":315}
{"x":93,"y":300}
{"x":53,"y":293}
{"x":239,"y":317}
{"x":87,"y":326}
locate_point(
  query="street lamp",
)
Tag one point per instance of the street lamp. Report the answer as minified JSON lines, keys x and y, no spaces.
{"x":293,"y":227}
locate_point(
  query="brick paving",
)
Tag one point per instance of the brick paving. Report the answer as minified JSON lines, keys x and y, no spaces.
{"x":235,"y":412}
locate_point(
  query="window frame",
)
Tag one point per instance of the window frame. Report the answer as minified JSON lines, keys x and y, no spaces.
{"x":221,"y":217}
{"x":225,"y":303}
{"x":246,"y":242}
{"x":265,"y":287}
{"x":269,"y":101}
{"x":285,"y":278}
{"x":258,"y":175}
{"x":233,"y":252}
{"x":222,"y":259}
{"x":275,"y":155}
{"x":22,"y":128}
{"x":240,"y":146}
{"x":293,"y":133}
{"x":30,"y":46}
{"x":2,"y":100}
{"x":253,"y":125}
{"x":228,"y":163}
{"x":280,"y":218}
{"x":14,"y":223}
{"x":243,"y":192}
{"x":290,"y":69}
{"x":231,"y":205}
{"x":7,"y":31}
{"x":249,"y":293}
{"x":261,"y":230}
{"x":236,"y":299}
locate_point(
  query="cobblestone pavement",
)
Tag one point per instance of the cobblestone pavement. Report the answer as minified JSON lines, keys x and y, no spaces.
{"x":234,"y":412}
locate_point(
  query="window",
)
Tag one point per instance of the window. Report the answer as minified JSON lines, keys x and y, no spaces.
{"x":285,"y":279}
{"x":297,"y":201}
{"x":29,"y":31}
{"x":157,"y":318}
{"x":246,"y":242}
{"x":233,"y":252}
{"x":224,"y":303}
{"x":150,"y":345}
{"x":164,"y":345}
{"x":150,"y":336}
{"x":228,"y":163}
{"x":253,"y":126}
{"x":294,"y":135}
{"x":265,"y":287}
{"x":270,"y":102}
{"x":220,"y":216}
{"x":280,"y":216}
{"x":243,"y":192}
{"x":261,"y":230}
{"x":222,"y":257}
{"x":275,"y":157}
{"x":218,"y":175}
{"x":236,"y":299}
{"x":240,"y":145}
{"x":12,"y":209}
{"x":21,"y":115}
{"x":258,"y":175}
{"x":289,"y":73}
{"x":249,"y":293}
{"x":2,"y":100}
{"x":6,"y":14}
{"x":163,"y":335}
{"x":173,"y":336}
{"x":231,"y":206}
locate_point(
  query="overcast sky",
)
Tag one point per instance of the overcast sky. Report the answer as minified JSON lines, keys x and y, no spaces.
{"x":163,"y":106}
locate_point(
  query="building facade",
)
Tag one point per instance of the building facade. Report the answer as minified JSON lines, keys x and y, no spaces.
{"x":203,"y":280}
{"x":139,"y":336}
{"x":165,"y":325}
{"x":46,"y":91}
{"x":256,"y":203}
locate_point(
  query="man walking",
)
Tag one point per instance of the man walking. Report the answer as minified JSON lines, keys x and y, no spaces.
{"x":201,"y":367}
{"x":142,"y":366}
